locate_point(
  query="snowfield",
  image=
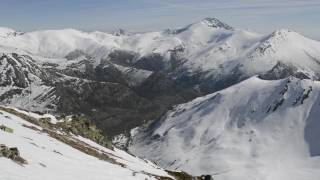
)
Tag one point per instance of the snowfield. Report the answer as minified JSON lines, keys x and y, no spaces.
{"x":261,"y":122}
{"x":49,"y":158}
{"x":257,"y":130}
{"x":209,"y":45}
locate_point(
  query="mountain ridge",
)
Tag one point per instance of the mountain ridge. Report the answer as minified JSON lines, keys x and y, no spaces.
{"x":206,"y":98}
{"x":196,"y":61}
{"x":254,"y":129}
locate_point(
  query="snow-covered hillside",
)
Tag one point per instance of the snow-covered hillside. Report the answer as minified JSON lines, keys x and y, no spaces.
{"x":257,"y":130}
{"x":56,"y":155}
{"x":262,"y":125}
{"x":209,"y":45}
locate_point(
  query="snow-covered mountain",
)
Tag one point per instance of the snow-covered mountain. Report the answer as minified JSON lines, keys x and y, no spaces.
{"x":257,"y":129}
{"x":210,"y":46}
{"x":29,"y":150}
{"x":207,"y":45}
{"x":260,"y":122}
{"x":154,"y":70}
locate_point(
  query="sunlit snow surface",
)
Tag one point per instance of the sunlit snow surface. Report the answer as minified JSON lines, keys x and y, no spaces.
{"x":243,"y":132}
{"x":49,"y":158}
{"x":252,"y":131}
{"x":206,"y":48}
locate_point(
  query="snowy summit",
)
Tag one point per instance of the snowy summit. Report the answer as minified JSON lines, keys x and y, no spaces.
{"x":204,"y":101}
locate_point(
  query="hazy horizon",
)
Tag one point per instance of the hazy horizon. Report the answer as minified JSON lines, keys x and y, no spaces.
{"x":262,"y":16}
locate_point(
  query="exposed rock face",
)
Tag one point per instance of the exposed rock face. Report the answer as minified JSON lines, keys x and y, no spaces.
{"x":6,"y":129}
{"x":216,"y":23}
{"x":280,"y":71}
{"x":12,"y":153}
{"x":108,"y":93}
{"x":17,"y":70}
{"x":111,"y":98}
{"x":185,"y":176}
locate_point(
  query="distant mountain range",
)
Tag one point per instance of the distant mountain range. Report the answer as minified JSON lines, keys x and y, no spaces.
{"x":256,"y":112}
{"x":124,"y":79}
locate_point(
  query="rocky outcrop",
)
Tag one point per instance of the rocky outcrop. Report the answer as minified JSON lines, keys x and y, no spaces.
{"x":12,"y":153}
{"x":81,"y":126}
{"x":180,"y":175}
{"x":6,"y":129}
{"x":281,"y":70}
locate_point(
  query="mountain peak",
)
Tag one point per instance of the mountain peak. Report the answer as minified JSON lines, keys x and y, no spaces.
{"x":284,"y":34}
{"x":5,"y":32}
{"x":209,"y":22}
{"x":216,"y":23}
{"x":119,"y":32}
{"x":281,"y":32}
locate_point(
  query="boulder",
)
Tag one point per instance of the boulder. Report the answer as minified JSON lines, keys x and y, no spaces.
{"x":6,"y":129}
{"x":12,"y":153}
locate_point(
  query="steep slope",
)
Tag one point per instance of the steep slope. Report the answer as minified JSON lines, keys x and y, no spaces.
{"x":45,"y":153}
{"x":209,"y":51}
{"x":257,"y":129}
{"x":105,"y":93}
{"x":207,"y":46}
{"x":154,"y":70}
{"x":24,"y":83}
{"x":290,"y":48}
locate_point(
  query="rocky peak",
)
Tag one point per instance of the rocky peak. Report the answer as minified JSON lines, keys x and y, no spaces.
{"x":119,"y":32}
{"x":280,"y":34}
{"x":7,"y":32}
{"x":216,"y":23}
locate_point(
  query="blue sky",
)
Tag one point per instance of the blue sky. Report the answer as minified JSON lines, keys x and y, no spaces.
{"x":144,"y":15}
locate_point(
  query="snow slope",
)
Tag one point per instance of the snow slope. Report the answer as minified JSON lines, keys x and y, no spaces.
{"x":257,"y":130}
{"x":6,"y":32}
{"x":49,"y":158}
{"x":209,"y":46}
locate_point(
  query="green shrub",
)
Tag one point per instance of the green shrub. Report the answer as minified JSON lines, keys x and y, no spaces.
{"x":80,"y":125}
